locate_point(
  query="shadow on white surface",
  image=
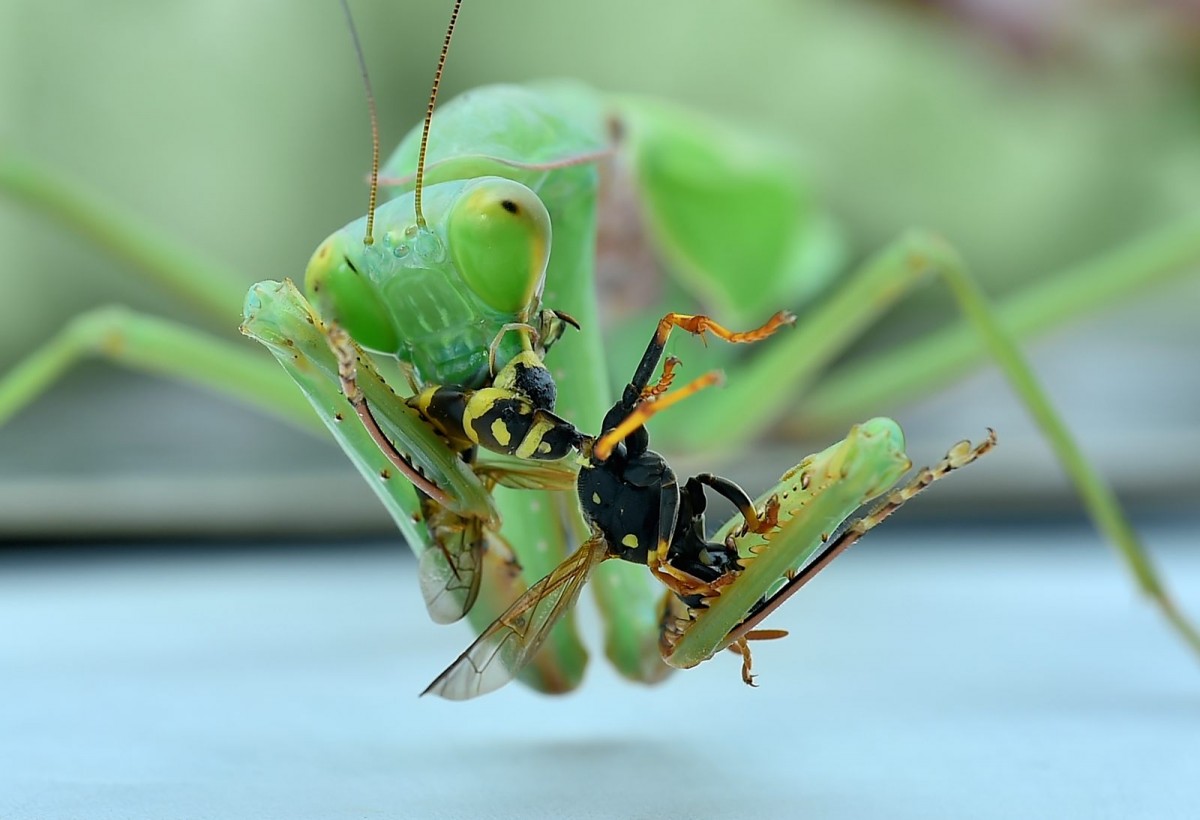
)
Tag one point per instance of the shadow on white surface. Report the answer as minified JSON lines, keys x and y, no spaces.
{"x":929,"y":674}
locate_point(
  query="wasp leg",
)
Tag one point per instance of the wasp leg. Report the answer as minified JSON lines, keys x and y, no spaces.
{"x":692,"y":553}
{"x":742,"y":647}
{"x":511,"y":327}
{"x":754,"y":521}
{"x":668,"y":514}
{"x":673,"y":507}
{"x":696,"y":325}
{"x":664,"y":381}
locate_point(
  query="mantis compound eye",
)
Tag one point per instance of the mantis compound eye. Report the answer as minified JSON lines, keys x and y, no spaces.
{"x":499,"y":236}
{"x":340,"y":291}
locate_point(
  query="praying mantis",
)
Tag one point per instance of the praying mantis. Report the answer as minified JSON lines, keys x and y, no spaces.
{"x":751,"y":381}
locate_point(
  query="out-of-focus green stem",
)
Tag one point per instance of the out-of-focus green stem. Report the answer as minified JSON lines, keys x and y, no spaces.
{"x":208,"y":286}
{"x":164,"y":348}
{"x":915,"y":368}
{"x":756,"y":397}
{"x":1097,"y":496}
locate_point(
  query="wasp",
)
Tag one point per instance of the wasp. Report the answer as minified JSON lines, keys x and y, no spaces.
{"x":638,"y":512}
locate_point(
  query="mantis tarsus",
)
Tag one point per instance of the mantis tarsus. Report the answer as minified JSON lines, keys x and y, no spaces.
{"x":284,"y":397}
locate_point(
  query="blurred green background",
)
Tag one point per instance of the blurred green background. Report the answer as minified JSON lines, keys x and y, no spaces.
{"x":1032,"y":136}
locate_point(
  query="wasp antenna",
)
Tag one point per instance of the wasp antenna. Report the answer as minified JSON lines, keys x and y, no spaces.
{"x":437,"y":81}
{"x":369,"y":238}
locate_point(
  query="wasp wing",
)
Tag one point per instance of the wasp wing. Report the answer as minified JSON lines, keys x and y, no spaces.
{"x":528,"y":475}
{"x":449,"y":572}
{"x":504,"y":648}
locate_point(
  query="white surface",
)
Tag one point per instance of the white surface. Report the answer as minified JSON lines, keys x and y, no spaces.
{"x":966,"y":674}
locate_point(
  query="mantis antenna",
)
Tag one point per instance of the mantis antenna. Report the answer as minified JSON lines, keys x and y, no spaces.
{"x":437,"y":81}
{"x":369,"y":237}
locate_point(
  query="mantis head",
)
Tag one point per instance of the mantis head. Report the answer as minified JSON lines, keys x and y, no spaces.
{"x":455,"y":265}
{"x":442,"y":290}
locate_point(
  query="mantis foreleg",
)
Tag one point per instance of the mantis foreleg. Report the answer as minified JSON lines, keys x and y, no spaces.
{"x":755,"y":398}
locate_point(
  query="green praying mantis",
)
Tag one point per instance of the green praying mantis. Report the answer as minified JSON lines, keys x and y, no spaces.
{"x":645,"y":131}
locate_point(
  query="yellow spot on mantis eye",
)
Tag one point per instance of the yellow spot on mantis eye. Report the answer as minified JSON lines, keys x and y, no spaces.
{"x":630,"y":541}
{"x":500,"y":433}
{"x":544,"y":447}
{"x":595,"y":498}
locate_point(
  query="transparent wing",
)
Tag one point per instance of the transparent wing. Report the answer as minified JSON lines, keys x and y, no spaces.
{"x":449,"y":578}
{"x":528,"y":475}
{"x":515,"y":637}
{"x":449,"y":571}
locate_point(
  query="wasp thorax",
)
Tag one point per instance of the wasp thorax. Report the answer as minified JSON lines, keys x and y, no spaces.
{"x":526,"y":375}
